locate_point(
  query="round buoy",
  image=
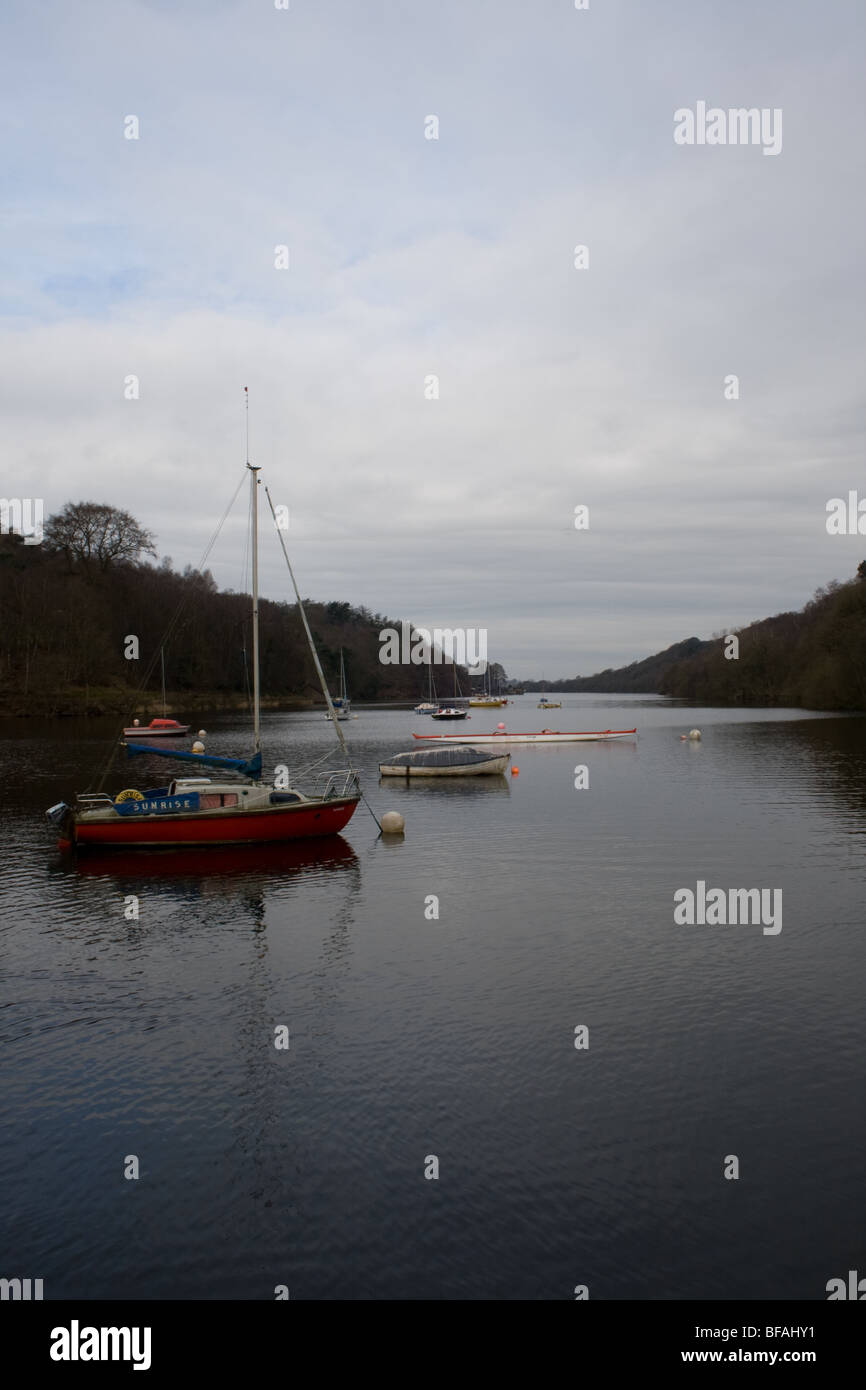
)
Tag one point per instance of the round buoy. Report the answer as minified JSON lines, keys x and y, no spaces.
{"x":135,"y":724}
{"x":393,"y":823}
{"x":515,"y":772}
{"x":694,"y":733}
{"x":198,"y":747}
{"x":202,"y":733}
{"x":500,"y":726}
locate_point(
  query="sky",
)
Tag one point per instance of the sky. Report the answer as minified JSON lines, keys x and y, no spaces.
{"x":602,"y":386}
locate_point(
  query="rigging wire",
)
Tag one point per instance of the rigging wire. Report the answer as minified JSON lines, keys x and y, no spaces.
{"x":318,"y":665}
{"x":175,"y":618}
{"x":172,"y":624}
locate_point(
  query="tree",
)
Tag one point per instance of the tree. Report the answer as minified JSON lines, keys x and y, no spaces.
{"x":97,"y":536}
{"x":861,"y":570}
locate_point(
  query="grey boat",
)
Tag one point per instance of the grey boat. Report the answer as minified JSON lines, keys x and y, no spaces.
{"x":452,"y":761}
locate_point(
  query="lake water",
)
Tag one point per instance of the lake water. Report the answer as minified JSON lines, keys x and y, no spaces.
{"x":453,"y":1038}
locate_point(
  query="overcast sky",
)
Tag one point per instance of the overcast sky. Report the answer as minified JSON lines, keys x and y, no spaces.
{"x":455,"y":257}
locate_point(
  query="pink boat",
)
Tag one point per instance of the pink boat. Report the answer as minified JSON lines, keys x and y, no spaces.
{"x":157,"y":728}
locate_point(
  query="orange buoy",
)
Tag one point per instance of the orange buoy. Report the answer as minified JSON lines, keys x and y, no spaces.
{"x":515,"y":772}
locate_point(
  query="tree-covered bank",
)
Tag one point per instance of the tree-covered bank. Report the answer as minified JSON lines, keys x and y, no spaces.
{"x":812,"y":659}
{"x":69,"y":606}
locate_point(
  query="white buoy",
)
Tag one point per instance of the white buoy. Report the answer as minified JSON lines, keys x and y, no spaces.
{"x":135,"y":723}
{"x":202,"y":733}
{"x":694,"y":733}
{"x":198,"y":747}
{"x":393,"y":823}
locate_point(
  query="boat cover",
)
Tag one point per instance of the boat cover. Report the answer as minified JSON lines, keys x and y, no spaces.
{"x":451,"y":756}
{"x":251,"y":766}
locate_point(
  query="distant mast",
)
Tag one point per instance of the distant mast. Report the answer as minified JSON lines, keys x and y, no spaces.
{"x":254,"y":510}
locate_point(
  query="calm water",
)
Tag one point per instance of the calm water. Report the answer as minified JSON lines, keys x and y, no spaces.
{"x":454,"y":1037}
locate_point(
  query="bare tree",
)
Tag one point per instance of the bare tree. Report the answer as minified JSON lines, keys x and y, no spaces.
{"x":97,"y":536}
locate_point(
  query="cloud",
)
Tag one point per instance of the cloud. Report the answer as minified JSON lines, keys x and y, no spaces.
{"x":409,"y":258}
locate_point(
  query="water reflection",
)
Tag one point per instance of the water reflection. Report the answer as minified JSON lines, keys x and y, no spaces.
{"x":262,"y":862}
{"x":554,"y":899}
{"x":464,"y":787}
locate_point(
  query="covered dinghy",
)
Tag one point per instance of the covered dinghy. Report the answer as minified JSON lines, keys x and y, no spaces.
{"x":449,"y":761}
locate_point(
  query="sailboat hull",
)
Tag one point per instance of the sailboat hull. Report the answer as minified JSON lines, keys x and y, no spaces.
{"x":293,"y":822}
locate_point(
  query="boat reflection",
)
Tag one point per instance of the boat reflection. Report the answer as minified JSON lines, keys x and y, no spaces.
{"x":278,"y":861}
{"x":448,"y":786}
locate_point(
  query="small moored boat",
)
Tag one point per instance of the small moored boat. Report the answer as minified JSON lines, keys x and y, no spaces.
{"x":341,"y":703}
{"x":453,"y":761}
{"x":430,"y":705}
{"x":157,"y":728}
{"x":449,"y":712}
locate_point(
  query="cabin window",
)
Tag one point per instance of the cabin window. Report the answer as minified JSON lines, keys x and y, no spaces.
{"x":211,"y":801}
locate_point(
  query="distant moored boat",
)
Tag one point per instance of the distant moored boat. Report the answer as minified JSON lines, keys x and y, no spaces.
{"x":157,"y":728}
{"x":544,"y":736}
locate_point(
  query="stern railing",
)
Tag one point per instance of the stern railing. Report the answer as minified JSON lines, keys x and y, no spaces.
{"x":335,"y":784}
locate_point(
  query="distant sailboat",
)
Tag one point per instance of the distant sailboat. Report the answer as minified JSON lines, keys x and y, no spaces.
{"x":158,"y":728}
{"x":341,"y":703}
{"x":428,"y":706}
{"x":452,"y":711}
{"x":487,"y":699}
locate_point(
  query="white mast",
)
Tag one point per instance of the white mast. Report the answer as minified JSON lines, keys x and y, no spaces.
{"x":254,"y":509}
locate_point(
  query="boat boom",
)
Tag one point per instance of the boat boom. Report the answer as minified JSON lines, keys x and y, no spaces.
{"x":251,"y":767}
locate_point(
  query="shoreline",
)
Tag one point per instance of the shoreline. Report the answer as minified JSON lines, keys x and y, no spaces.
{"x":93,"y":703}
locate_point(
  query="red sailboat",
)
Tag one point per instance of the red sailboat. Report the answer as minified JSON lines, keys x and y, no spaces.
{"x":158,"y":728}
{"x":197,"y":811}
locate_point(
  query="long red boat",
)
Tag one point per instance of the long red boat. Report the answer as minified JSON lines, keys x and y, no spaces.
{"x":545,"y":736}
